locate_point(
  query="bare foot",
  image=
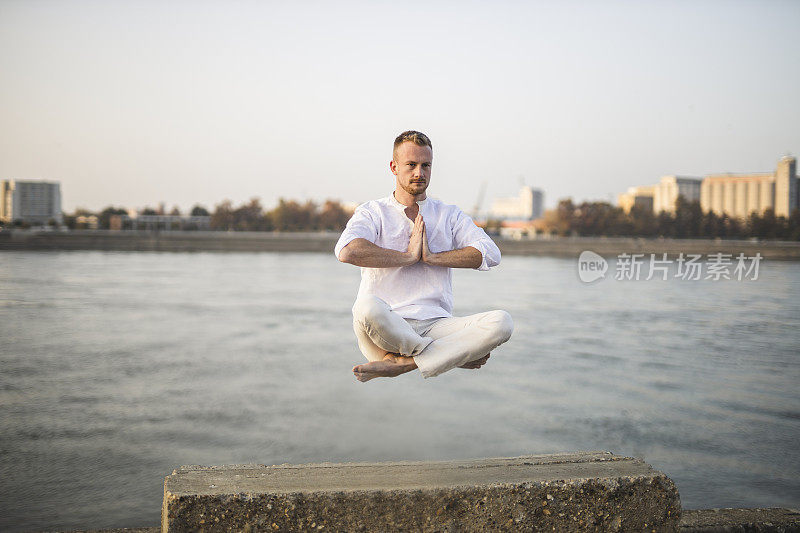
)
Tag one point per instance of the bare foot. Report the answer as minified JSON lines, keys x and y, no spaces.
{"x":392,"y":365}
{"x":477,"y":363}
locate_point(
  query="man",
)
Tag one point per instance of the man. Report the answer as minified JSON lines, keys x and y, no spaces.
{"x":406,"y":245}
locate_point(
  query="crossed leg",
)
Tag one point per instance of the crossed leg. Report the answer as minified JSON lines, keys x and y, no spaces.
{"x":392,"y":365}
{"x":463,"y":341}
{"x":393,"y":347}
{"x":385,"y":339}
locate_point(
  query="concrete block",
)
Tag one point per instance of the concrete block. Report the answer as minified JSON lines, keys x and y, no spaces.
{"x":585,"y":491}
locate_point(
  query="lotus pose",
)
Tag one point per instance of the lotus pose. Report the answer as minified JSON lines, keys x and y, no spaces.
{"x":406,"y":244}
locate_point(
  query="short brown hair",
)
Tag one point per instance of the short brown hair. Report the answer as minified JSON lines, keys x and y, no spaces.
{"x":416,"y":137}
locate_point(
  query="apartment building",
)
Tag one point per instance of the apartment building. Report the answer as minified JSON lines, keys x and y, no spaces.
{"x":34,"y":202}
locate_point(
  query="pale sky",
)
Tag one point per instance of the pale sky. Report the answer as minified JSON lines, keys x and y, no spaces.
{"x":135,"y":103}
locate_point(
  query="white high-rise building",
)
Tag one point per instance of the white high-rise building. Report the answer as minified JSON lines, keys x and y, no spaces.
{"x":34,"y":202}
{"x":529,"y":205}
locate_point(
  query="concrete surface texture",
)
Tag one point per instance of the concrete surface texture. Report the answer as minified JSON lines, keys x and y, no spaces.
{"x":587,"y":491}
{"x":774,"y":520}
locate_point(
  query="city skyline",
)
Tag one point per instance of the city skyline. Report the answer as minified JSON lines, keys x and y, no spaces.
{"x":779,"y":191}
{"x":193,"y":103}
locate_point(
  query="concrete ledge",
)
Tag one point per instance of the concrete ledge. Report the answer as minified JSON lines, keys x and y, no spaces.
{"x":771,"y":520}
{"x":740,"y":521}
{"x":563,"y":492}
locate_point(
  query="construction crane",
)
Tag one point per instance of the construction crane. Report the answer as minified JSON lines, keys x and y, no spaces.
{"x":479,"y":202}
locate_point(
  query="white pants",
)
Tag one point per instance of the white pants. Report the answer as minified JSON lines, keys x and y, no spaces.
{"x":437,"y":344}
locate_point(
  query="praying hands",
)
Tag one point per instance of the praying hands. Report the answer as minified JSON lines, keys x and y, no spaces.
{"x":363,"y":253}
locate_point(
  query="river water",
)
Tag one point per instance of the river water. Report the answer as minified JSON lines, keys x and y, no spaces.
{"x":117,"y":367}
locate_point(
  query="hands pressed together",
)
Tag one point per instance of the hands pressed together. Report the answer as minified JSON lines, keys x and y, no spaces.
{"x":363,"y":253}
{"x":418,"y":249}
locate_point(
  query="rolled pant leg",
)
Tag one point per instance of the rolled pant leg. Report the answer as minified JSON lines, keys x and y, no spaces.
{"x":380,"y":330}
{"x":459,"y":340}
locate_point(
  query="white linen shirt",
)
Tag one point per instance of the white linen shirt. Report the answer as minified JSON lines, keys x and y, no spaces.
{"x":419,"y":291}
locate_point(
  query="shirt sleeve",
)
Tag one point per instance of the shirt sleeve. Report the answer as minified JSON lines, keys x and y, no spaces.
{"x":466,"y":233}
{"x":360,"y":226}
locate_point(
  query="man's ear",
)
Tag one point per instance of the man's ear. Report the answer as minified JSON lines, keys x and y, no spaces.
{"x":393,"y":167}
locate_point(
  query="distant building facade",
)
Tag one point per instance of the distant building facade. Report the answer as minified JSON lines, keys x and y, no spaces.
{"x":160,"y":222}
{"x":33,"y":202}
{"x":738,"y":195}
{"x":735,"y":195}
{"x":87,"y":222}
{"x":666,"y":192}
{"x":641,"y":197}
{"x":529,"y":205}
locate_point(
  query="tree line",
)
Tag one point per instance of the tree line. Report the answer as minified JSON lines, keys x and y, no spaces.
{"x":688,"y":221}
{"x":288,"y":215}
{"x":584,"y":219}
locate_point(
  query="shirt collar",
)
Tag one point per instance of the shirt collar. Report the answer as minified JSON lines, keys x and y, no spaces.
{"x":402,"y":207}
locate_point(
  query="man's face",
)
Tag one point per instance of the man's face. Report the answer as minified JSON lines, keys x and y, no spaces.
{"x":412,"y":166}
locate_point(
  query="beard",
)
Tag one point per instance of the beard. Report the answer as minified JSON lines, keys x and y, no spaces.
{"x":415,"y":189}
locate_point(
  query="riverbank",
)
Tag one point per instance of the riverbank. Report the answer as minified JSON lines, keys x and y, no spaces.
{"x":218,"y":241}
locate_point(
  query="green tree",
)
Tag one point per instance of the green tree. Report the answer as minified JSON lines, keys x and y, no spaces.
{"x":688,"y":218}
{"x":199,"y":211}
{"x":665,"y":224}
{"x":222,"y":219}
{"x":793,"y":226}
{"x":710,"y":225}
{"x":250,"y":217}
{"x":643,"y":221}
{"x":104,"y":218}
{"x":289,"y":215}
{"x":246,"y":217}
{"x":597,"y":218}
{"x":332,"y":216}
{"x":769,"y":228}
{"x":730,"y":228}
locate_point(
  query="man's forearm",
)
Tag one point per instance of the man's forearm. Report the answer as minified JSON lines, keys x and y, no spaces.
{"x":468,"y":257}
{"x":361,"y":252}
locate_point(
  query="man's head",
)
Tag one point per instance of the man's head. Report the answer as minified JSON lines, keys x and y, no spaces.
{"x":416,"y":137}
{"x":412,"y":158}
